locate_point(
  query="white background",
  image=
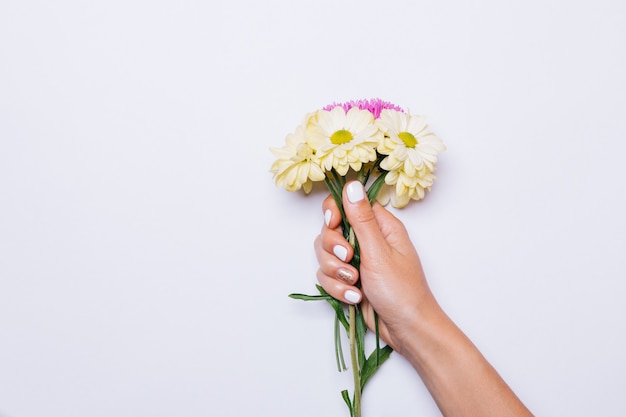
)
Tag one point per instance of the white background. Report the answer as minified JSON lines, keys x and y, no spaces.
{"x":146,"y":254}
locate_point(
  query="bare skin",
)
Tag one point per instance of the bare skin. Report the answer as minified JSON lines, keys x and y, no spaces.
{"x":411,"y":321}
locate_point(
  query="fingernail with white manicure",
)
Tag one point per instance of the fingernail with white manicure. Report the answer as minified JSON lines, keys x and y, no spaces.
{"x":352,"y":296}
{"x":340,"y":252}
{"x":327,"y":216}
{"x":355,"y":192}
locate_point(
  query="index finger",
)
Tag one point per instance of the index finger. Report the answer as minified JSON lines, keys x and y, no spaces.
{"x":332,"y":215}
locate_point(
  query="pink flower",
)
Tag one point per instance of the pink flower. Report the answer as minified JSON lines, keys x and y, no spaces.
{"x":374,"y":106}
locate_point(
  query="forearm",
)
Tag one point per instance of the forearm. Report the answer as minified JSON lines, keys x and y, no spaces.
{"x":457,"y":375}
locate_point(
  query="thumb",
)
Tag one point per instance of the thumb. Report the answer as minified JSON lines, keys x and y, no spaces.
{"x":361,"y":216}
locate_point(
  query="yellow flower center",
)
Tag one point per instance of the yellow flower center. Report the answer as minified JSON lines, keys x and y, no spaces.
{"x":340,"y":137}
{"x":408,"y":139}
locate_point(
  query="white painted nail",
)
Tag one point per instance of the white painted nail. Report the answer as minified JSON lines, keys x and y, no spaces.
{"x":352,"y":296}
{"x":340,"y":252}
{"x":355,"y":192}
{"x":327,"y":216}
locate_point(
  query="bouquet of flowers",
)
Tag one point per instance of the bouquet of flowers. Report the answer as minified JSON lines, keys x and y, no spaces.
{"x":393,"y":154}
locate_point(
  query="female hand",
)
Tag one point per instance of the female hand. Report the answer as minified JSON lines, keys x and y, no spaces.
{"x":457,"y":375}
{"x":391,"y":275}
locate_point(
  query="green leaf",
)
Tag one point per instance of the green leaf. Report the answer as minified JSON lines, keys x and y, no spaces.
{"x":305,"y":297}
{"x":346,"y":398}
{"x":376,"y":186}
{"x":337,"y":306}
{"x":371,"y":366}
{"x":361,"y":329}
{"x":341,"y":363}
{"x":335,"y":186}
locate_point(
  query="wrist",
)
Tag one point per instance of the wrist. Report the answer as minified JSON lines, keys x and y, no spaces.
{"x":418,"y":328}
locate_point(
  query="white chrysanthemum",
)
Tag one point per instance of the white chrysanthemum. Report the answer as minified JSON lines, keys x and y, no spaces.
{"x":296,"y":166}
{"x":400,"y":188}
{"x":408,"y":143}
{"x":343,"y":140}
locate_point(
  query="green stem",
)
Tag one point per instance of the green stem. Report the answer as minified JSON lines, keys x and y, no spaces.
{"x":335,"y":185}
{"x":365,"y":177}
{"x":355,"y":365}
{"x":352,"y":310}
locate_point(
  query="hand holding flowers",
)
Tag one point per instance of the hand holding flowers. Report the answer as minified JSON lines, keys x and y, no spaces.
{"x":388,"y":150}
{"x":390,"y":278}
